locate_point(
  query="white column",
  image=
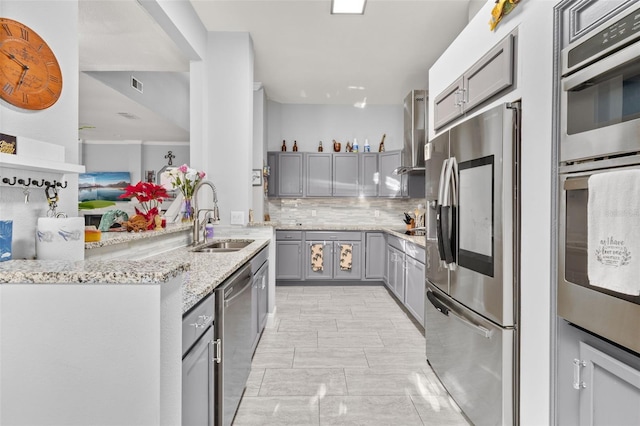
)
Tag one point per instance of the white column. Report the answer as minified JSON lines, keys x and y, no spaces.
{"x":227,"y":151}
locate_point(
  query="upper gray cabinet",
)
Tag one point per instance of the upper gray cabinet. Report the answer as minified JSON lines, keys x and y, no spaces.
{"x":318,"y":174}
{"x":493,"y":73}
{"x":368,"y":174}
{"x":290,"y":174}
{"x":345,"y":175}
{"x":390,"y":185}
{"x":272,"y":162}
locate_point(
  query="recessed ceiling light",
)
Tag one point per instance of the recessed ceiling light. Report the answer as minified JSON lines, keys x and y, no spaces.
{"x":352,"y":7}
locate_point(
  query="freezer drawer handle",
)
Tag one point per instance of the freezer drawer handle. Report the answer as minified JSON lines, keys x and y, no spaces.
{"x":442,"y":308}
{"x":437,"y":304}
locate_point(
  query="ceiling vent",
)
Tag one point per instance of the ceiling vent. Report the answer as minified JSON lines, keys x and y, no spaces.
{"x":136,"y":84}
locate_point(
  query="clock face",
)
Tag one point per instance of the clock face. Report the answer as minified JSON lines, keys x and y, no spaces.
{"x":30,"y":76}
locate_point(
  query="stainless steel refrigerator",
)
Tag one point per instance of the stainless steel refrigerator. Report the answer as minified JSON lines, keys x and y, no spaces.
{"x":472,"y":271}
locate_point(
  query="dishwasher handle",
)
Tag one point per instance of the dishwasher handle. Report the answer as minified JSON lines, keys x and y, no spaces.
{"x":247,"y":285}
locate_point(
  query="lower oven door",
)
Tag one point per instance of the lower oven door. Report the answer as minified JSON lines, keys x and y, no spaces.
{"x":607,"y":313}
{"x":473,"y":358}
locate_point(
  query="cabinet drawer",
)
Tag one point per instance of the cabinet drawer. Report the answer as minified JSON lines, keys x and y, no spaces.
{"x":289,"y":235}
{"x":396,"y":242}
{"x":197,"y":321}
{"x":414,"y":251}
{"x":334,"y":236}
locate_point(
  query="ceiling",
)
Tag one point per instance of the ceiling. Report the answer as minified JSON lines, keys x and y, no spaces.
{"x":303,"y":54}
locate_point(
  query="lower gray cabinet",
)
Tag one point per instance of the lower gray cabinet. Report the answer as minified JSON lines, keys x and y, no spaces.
{"x":597,"y":382}
{"x":415,"y":293}
{"x":375,"y":255}
{"x":344,"y":271}
{"x":318,"y":260}
{"x":288,"y":260}
{"x":198,"y":383}
{"x":395,"y":265}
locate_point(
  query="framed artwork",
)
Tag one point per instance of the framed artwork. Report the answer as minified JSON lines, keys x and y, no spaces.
{"x":256,"y":177}
{"x":103,"y":186}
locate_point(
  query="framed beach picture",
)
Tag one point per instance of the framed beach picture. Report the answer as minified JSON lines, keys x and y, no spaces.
{"x":106,"y":186}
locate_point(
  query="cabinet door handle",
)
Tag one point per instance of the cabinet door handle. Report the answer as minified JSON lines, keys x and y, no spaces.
{"x":217,"y":357}
{"x":463,"y":100}
{"x":577,"y":379}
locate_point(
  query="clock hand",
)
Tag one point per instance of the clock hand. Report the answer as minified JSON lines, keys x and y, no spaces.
{"x":13,"y":58}
{"x":24,"y":73}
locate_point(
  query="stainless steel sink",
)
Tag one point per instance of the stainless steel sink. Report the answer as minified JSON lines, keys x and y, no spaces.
{"x":222,"y":246}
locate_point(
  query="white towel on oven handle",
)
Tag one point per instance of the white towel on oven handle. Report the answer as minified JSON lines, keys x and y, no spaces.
{"x":613,"y":227}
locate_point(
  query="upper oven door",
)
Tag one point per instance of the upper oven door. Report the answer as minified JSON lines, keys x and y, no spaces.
{"x":607,"y":313}
{"x":600,"y":107}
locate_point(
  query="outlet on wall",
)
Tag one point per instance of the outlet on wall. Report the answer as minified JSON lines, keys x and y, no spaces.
{"x":313,"y":213}
{"x":237,"y":218}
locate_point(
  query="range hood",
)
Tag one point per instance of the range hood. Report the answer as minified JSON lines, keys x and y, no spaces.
{"x":415,"y":133}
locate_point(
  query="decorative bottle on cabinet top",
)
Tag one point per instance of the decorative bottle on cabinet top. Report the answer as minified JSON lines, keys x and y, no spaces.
{"x":320,"y":149}
{"x":295,"y":146}
{"x":284,"y":146}
{"x":381,"y":147}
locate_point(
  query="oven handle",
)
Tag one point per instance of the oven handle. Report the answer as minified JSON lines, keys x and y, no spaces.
{"x":573,"y":184}
{"x":608,"y":63}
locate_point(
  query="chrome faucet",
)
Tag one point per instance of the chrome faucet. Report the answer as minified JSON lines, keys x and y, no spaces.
{"x":215,"y":213}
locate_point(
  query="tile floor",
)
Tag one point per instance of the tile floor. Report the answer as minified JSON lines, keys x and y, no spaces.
{"x":342,"y":355}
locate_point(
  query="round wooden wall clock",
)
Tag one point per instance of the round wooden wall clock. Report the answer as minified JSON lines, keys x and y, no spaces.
{"x":30,"y":75}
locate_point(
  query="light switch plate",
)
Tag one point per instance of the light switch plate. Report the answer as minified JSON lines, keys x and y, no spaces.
{"x":237,"y":218}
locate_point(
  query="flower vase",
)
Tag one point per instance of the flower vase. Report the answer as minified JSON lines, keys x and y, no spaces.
{"x":187,"y":210}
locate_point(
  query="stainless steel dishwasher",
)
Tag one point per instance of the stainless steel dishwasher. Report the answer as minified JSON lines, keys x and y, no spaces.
{"x":233,"y":327}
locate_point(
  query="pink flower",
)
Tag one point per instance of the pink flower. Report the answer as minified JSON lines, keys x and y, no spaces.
{"x":202,"y":175}
{"x":183,"y":168}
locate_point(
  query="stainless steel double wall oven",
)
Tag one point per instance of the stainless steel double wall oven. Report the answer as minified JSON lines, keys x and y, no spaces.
{"x":600,"y":133}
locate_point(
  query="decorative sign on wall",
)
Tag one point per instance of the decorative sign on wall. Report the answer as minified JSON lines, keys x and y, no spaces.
{"x":501,"y":9}
{"x":103,"y":185}
{"x":8,"y":144}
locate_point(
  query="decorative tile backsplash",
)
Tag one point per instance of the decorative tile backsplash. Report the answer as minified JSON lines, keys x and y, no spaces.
{"x":341,"y":211}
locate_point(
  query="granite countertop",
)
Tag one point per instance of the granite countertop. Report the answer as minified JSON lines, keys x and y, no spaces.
{"x":112,"y":238}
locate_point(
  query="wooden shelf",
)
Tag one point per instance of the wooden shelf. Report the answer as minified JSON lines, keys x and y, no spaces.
{"x":38,"y":165}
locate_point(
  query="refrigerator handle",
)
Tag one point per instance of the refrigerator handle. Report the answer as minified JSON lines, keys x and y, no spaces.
{"x":439,"y":234}
{"x":441,"y":307}
{"x":449,"y":201}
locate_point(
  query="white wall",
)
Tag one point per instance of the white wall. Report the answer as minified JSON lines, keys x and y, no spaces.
{"x":309,"y":124}
{"x":259,"y":150}
{"x":57,"y":23}
{"x":534,"y":21}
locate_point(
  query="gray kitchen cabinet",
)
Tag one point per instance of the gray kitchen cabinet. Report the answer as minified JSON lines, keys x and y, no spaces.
{"x":288,"y":260}
{"x":345,"y":175}
{"x":332,"y":243}
{"x":597,"y":383}
{"x":260,"y":273}
{"x":272,"y":162}
{"x":319,"y":173}
{"x":415,"y":292}
{"x":390,"y":185}
{"x":490,"y":75}
{"x":355,"y":271}
{"x":198,"y":358}
{"x":375,"y":250}
{"x":395,"y":264}
{"x":368,"y":174}
{"x":446,"y":106}
{"x":324,"y":271}
{"x":290,"y":174}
